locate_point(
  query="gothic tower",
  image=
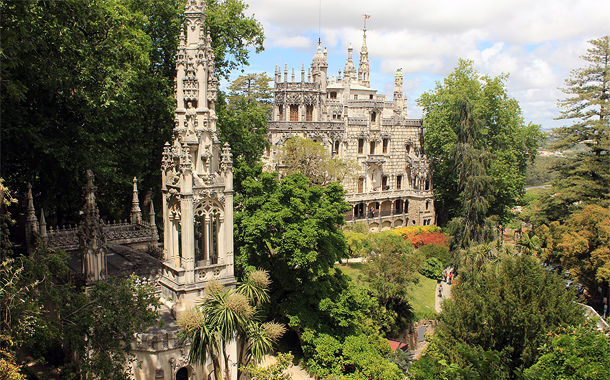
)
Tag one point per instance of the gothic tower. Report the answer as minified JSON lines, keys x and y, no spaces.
{"x":363,"y":67}
{"x":197,"y":176}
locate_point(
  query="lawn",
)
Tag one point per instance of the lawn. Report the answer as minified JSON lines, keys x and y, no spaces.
{"x":421,"y":297}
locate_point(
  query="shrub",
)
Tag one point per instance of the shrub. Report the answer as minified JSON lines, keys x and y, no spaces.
{"x":440,"y":252}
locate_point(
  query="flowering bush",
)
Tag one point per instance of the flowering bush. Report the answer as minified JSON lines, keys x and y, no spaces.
{"x":422,"y":235}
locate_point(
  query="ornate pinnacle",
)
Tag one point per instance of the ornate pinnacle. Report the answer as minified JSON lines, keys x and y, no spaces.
{"x":136,"y":214}
{"x":226,"y":162}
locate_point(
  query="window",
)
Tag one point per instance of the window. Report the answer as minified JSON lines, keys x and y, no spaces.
{"x":386,"y":142}
{"x":427,"y":205}
{"x":360,"y":185}
{"x":398,"y":182}
{"x":336,"y":151}
{"x":371,"y":96}
{"x":360,"y":146}
{"x":355,"y":96}
{"x":373,"y":116}
{"x":280,"y":111}
{"x":333,"y":94}
{"x":268,"y":151}
{"x":384,"y":183}
{"x":308,"y":113}
{"x":372,"y":147}
{"x":294,"y":112}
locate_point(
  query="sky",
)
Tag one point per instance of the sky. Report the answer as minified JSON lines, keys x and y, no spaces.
{"x":536,"y":42}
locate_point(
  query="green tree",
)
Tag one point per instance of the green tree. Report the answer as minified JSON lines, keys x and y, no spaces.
{"x":233,"y":34}
{"x":581,"y":245}
{"x":291,"y":228}
{"x":242,"y":116}
{"x":390,"y":272}
{"x":575,"y":353}
{"x":359,"y":357}
{"x":225,"y":315}
{"x":584,"y":178}
{"x":309,"y":158}
{"x":506,"y":310}
{"x":253,"y":88}
{"x":471,"y":158}
{"x":391,"y":268}
{"x":45,"y":313}
{"x":276,"y":371}
{"x":90,"y":85}
{"x":503,"y":133}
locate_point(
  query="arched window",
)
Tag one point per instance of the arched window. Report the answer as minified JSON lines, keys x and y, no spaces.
{"x":182,"y":374}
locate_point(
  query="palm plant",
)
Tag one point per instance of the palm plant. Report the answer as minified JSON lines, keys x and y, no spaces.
{"x":226,"y":315}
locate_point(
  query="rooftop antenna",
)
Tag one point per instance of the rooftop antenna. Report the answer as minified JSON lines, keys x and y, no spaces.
{"x":320,"y":24}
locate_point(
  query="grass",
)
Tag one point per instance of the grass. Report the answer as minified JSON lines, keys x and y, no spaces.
{"x":421,"y":296}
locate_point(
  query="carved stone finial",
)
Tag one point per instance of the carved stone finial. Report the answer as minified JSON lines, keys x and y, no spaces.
{"x":227,"y":161}
{"x":136,"y":214}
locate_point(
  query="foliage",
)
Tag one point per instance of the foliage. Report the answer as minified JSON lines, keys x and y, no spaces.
{"x":90,"y":85}
{"x":401,"y":358}
{"x":292,"y":229}
{"x":471,"y":157}
{"x":86,"y":333}
{"x":585,"y":177}
{"x":243,"y":115}
{"x":359,"y":357}
{"x":540,"y":171}
{"x":253,"y":88}
{"x":581,"y":244}
{"x":481,"y":365}
{"x":390,"y":273}
{"x":357,"y":243}
{"x":422,"y":235}
{"x":503,"y":134}
{"x":233,"y":34}
{"x":440,"y":252}
{"x":433,"y":269}
{"x":309,"y":158}
{"x":224,"y":315}
{"x":391,"y":267}
{"x":244,"y":126}
{"x":580,"y":353}
{"x":502,"y":313}
{"x":276,"y":371}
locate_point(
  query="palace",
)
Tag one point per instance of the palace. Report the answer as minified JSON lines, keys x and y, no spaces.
{"x":393,"y":187}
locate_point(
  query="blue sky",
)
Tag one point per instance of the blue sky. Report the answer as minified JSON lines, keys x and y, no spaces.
{"x":537,"y":42}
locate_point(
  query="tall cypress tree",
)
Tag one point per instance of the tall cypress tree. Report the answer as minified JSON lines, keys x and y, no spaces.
{"x":474,"y":184}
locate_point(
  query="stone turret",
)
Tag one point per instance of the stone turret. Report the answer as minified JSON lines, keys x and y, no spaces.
{"x":196,"y":180}
{"x":363,"y":67}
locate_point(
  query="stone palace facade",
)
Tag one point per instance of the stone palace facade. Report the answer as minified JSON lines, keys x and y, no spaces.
{"x":393,"y":187}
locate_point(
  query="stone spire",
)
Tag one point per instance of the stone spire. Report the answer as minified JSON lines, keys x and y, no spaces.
{"x":399,"y":103}
{"x":31,"y":227}
{"x":92,"y":242}
{"x":136,"y":213}
{"x":350,"y":70}
{"x":363,"y":67}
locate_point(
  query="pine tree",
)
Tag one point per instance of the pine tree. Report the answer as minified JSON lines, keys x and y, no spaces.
{"x":586,"y":176}
{"x":474,"y":184}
